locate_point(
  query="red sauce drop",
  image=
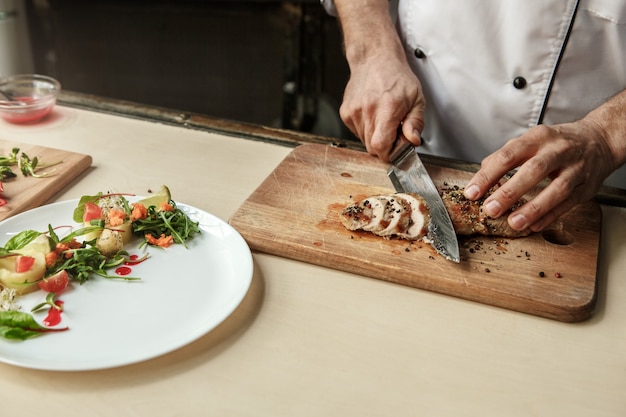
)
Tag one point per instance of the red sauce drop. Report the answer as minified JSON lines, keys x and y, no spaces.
{"x":54,"y":315}
{"x":123,"y":270}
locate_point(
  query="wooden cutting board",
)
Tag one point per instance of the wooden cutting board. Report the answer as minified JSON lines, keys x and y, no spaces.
{"x":23,"y":193}
{"x":294,"y":214}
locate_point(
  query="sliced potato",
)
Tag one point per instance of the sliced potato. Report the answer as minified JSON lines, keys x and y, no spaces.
{"x":124,"y":231}
{"x":37,"y":248}
{"x":22,"y":282}
{"x":40,"y":244}
{"x":110,"y":242}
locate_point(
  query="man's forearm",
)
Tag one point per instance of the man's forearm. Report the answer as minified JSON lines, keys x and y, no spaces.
{"x":367,"y":29}
{"x":610,"y":117}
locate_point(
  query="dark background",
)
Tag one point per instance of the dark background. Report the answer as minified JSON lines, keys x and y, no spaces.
{"x":276,"y":63}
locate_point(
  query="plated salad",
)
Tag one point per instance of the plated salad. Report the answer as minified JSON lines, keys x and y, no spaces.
{"x":50,"y":260}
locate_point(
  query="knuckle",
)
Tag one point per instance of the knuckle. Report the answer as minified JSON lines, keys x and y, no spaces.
{"x":508,"y":195}
{"x":377,"y":146}
{"x":541,"y":130}
{"x":562,"y":186}
{"x":481,"y":178}
{"x":505,"y":156}
{"x":538,"y":166}
{"x":534,"y":209}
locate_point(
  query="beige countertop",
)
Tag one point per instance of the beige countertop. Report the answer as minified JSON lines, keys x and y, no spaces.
{"x":310,"y":341}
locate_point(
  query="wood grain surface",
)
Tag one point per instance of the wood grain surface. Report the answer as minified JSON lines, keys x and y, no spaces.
{"x":294,"y":214}
{"x":23,"y":193}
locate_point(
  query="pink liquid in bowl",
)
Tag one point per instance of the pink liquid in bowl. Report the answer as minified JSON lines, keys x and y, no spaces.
{"x":27,"y":114}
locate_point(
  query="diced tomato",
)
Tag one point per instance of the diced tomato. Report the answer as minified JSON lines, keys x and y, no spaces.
{"x":55,"y":283}
{"x":92,"y":212}
{"x":23,"y":263}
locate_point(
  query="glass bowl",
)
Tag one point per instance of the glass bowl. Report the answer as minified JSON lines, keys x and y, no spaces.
{"x":27,"y":98}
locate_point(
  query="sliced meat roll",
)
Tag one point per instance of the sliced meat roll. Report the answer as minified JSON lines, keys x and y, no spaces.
{"x":402,"y":215}
{"x":407,"y":216}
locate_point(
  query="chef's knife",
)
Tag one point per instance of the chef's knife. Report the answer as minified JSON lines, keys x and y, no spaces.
{"x":408,"y":174}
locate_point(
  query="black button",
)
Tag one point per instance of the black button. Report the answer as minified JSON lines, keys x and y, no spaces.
{"x":419,"y":53}
{"x":519,"y":82}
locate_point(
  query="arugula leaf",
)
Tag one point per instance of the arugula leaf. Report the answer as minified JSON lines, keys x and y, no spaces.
{"x":86,"y":259}
{"x":173,"y":223}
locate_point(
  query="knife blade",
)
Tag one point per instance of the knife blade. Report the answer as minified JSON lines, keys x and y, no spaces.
{"x":408,"y":174}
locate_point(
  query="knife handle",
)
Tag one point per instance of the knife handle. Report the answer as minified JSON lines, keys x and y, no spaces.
{"x":400,"y":147}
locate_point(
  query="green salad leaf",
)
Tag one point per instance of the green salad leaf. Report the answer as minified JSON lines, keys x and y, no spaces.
{"x":18,"y":325}
{"x":175,"y":223}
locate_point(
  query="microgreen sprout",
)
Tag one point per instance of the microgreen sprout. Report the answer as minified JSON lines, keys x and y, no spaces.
{"x":26,"y":165}
{"x":48,"y":302}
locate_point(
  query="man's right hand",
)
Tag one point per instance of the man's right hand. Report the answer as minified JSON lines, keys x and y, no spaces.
{"x":383,"y":92}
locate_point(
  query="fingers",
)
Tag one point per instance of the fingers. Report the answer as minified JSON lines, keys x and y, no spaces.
{"x":379,"y":96}
{"x":413,"y":125}
{"x":513,"y":154}
{"x":563,"y":154}
{"x":384,"y":138}
{"x":389,"y":125}
{"x":376,"y":125}
{"x":550,"y":204}
{"x":534,"y":162}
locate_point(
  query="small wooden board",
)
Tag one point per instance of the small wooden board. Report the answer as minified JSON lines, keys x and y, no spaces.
{"x":23,"y":193}
{"x":294,"y":214}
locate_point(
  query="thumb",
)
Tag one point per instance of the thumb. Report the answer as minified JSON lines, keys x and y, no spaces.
{"x":412,"y":126}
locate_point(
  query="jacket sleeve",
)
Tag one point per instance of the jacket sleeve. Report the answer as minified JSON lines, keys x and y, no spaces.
{"x":329,"y":6}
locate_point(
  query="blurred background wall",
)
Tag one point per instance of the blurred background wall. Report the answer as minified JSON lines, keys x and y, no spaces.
{"x":15,"y":47}
{"x":277,"y":63}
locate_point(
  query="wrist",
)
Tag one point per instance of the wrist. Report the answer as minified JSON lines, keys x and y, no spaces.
{"x":610,"y":120}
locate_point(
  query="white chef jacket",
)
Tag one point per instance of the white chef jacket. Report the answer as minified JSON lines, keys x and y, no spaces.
{"x":491,"y":69}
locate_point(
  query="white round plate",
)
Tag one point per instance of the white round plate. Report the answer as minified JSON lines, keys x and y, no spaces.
{"x":182,"y":295}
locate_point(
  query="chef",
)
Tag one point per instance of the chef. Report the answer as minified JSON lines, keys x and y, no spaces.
{"x":537,"y":85}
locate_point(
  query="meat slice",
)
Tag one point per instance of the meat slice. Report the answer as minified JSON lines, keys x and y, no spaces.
{"x":380,"y":214}
{"x":397,"y":216}
{"x":365,"y":214}
{"x":419,"y":217}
